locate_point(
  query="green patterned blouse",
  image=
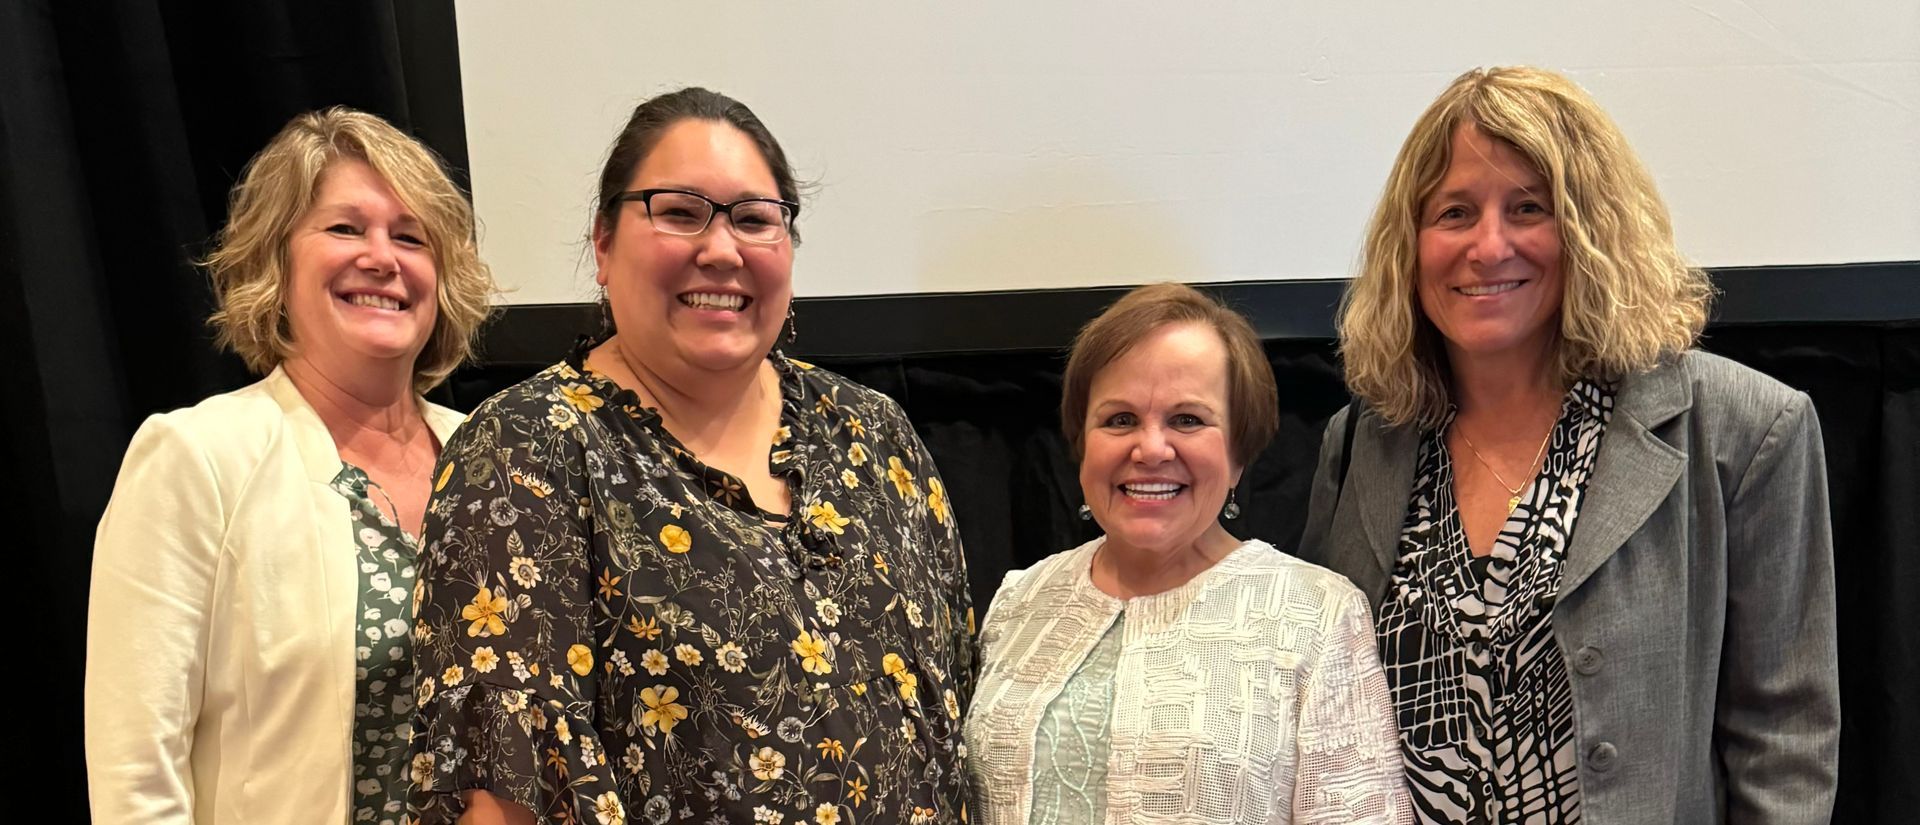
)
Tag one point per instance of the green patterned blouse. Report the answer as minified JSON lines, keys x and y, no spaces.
{"x":383,"y":678}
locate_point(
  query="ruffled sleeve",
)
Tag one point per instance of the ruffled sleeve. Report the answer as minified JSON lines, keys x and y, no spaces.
{"x":505,"y":607}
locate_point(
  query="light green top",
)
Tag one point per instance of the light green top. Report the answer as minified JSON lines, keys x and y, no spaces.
{"x":1070,"y":748}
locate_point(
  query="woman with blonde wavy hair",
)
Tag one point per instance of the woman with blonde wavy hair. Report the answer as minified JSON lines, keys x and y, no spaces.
{"x":1599,"y":559}
{"x":248,"y":648}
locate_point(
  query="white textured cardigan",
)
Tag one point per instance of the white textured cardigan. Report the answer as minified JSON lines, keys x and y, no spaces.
{"x":1250,"y":694}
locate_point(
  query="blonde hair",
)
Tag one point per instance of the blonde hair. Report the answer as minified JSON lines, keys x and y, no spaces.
{"x":249,"y":264}
{"x":1630,"y":298}
{"x":1253,"y":402}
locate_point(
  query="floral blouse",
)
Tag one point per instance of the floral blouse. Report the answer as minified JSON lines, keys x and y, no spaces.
{"x":611,"y":631}
{"x":383,"y":675}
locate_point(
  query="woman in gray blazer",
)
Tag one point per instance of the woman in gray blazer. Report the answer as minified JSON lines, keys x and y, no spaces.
{"x":1599,"y":560}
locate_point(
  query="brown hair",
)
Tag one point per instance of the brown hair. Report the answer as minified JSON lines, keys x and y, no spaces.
{"x":1253,"y":403}
{"x":249,"y":264}
{"x":1631,"y":299}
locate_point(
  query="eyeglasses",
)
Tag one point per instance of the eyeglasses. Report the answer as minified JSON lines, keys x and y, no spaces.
{"x":676,"y":212}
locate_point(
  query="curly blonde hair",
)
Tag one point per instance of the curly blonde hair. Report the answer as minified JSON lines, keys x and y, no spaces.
{"x":1631,"y":299}
{"x":249,"y":263}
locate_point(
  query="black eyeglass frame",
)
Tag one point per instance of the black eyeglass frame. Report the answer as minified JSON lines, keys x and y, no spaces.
{"x":645,"y":198}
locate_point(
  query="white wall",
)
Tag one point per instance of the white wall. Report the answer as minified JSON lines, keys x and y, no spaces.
{"x":994,"y":144}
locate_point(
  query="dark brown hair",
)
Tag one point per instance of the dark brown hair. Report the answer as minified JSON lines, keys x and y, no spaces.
{"x":653,"y":117}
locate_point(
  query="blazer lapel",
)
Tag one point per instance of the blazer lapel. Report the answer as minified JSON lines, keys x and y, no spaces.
{"x":1634,"y":472}
{"x":1382,"y":473}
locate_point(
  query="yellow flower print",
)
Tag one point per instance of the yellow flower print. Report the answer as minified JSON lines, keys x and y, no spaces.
{"x":485,"y":660}
{"x":856,"y":426}
{"x":823,"y":516}
{"x":767,"y":763}
{"x":687,"y":654}
{"x":562,"y":417}
{"x":486,"y":613}
{"x":453,"y":675}
{"x":648,"y":629}
{"x":952,"y":703}
{"x":826,"y":814}
{"x":812,"y":651}
{"x":581,"y":397}
{"x":662,"y":711}
{"x":901,"y":478}
{"x":856,"y":791}
{"x":580,"y":658}
{"x":859,"y":688}
{"x":880,"y":564}
{"x":676,"y":539}
{"x":422,"y":767}
{"x":654,"y":662}
{"x":781,"y":435}
{"x":445,"y":476}
{"x":892,"y":665}
{"x":849,"y":479}
{"x":607,"y":809}
{"x":608,"y":580}
{"x":833,"y":748}
{"x":937,"y":500}
{"x":857,"y":455}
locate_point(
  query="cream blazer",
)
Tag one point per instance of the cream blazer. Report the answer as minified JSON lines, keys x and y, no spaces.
{"x":221,"y":625}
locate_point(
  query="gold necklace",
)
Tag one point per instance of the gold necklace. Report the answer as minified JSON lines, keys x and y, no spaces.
{"x":1513,"y":492}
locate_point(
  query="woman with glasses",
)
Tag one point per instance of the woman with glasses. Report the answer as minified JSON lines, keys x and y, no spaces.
{"x":680,"y":576}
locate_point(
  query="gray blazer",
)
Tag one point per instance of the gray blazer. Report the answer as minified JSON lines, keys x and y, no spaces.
{"x":1696,"y":604}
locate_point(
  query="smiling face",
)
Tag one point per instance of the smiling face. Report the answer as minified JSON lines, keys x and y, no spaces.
{"x":1490,"y":274}
{"x":1157,"y":462}
{"x":361,"y":280}
{"x":709,"y":301}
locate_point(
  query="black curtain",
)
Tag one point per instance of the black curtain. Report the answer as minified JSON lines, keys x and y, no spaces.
{"x":122,"y":126}
{"x":991,"y":421}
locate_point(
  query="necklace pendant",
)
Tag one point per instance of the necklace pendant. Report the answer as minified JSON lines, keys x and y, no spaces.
{"x":1513,"y":504}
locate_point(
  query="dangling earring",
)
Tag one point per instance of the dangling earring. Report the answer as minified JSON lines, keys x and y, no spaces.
{"x":793,"y":331}
{"x":1233,"y":507}
{"x":1086,"y":513}
{"x":606,"y":316}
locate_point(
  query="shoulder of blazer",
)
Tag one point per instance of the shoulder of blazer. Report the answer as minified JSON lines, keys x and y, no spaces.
{"x":1725,"y":399}
{"x":232,"y":425}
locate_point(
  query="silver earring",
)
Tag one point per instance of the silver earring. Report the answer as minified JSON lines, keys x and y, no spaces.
{"x":1233,"y":507}
{"x":793,"y":331}
{"x":1086,"y":513}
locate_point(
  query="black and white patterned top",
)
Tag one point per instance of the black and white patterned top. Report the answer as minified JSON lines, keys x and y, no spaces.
{"x":1481,"y":689}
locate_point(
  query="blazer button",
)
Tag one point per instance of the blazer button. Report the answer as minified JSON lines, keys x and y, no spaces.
{"x":1603,"y":756}
{"x":1587,"y":660}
